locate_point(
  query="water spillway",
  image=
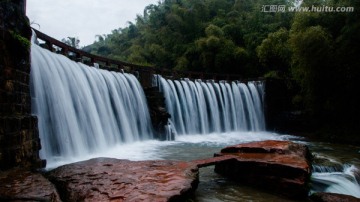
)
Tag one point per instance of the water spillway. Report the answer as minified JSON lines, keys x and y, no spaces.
{"x":83,"y":109}
{"x":198,"y":107}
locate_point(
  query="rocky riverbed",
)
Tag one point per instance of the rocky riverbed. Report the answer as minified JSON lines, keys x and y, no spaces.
{"x":281,"y":167}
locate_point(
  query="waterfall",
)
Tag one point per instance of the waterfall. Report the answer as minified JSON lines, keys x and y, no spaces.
{"x":199,"y":107}
{"x":332,"y":179}
{"x":82,"y":109}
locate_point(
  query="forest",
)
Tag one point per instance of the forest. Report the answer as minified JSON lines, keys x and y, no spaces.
{"x":316,"y":53}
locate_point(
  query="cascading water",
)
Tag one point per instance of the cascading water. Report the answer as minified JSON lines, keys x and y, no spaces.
{"x":82,"y":109}
{"x":198,"y":107}
{"x":341,"y":179}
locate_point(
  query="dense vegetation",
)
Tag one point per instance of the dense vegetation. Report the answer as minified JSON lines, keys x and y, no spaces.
{"x":318,"y":50}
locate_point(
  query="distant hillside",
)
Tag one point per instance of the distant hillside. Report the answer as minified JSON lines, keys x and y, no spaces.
{"x":198,"y":35}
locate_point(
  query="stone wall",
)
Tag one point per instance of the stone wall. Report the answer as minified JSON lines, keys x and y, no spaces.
{"x":19,"y":138}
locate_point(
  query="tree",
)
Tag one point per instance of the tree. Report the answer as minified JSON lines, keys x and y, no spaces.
{"x":275,"y":53}
{"x":197,"y":35}
{"x":72,"y":41}
{"x":313,"y":66}
{"x":325,"y":63}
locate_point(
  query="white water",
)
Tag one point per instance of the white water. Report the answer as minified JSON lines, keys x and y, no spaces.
{"x":333,"y":180}
{"x":156,"y":150}
{"x":83,"y":110}
{"x":198,"y":107}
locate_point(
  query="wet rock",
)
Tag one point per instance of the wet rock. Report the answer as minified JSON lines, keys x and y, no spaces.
{"x":105,"y":179}
{"x":323,"y":163}
{"x":281,"y":167}
{"x":158,"y":114}
{"x":331,"y":197}
{"x":21,"y":185}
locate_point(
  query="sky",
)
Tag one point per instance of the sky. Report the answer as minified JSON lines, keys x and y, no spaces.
{"x":83,"y":18}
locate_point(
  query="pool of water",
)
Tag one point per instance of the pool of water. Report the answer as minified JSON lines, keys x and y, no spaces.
{"x":335,"y":163}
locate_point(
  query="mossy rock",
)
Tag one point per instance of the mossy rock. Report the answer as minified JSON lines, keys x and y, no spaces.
{"x":22,"y":41}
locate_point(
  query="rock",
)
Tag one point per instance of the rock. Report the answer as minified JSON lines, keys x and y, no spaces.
{"x":105,"y":179}
{"x":158,"y":114}
{"x":331,"y":197}
{"x":323,"y":163}
{"x":281,"y":167}
{"x":21,"y":185}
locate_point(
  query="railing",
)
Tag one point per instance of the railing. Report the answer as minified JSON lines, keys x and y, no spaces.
{"x":79,"y":54}
{"x":144,"y":73}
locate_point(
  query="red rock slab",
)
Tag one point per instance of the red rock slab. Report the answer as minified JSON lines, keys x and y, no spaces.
{"x":331,"y":197}
{"x":21,"y":185}
{"x":281,"y":167}
{"x":105,"y":179}
{"x":270,"y":146}
{"x":292,"y":161}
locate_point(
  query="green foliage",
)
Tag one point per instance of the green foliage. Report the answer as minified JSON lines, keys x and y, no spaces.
{"x":24,"y":42}
{"x":312,"y":64}
{"x":324,"y":61}
{"x":275,"y":53}
{"x":213,"y":30}
{"x":197,"y":35}
{"x":272,"y":75}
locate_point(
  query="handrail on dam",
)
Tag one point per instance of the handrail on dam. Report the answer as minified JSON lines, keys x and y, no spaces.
{"x":65,"y":49}
{"x":144,"y":73}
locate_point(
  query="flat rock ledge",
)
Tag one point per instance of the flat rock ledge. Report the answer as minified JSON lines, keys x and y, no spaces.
{"x":106,"y":179}
{"x":281,"y":167}
{"x":23,"y":185}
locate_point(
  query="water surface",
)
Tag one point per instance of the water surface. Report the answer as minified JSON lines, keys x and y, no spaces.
{"x":213,"y":187}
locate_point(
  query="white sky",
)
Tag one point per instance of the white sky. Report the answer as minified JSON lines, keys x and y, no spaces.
{"x":83,"y":18}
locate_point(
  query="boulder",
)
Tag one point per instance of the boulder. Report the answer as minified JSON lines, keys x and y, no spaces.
{"x":23,"y":185}
{"x":331,"y":197}
{"x":106,"y":179}
{"x":281,"y":167}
